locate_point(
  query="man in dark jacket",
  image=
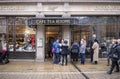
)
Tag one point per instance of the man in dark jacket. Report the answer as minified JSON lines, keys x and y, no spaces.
{"x":114,"y":54}
{"x":75,"y":51}
{"x":90,"y":45}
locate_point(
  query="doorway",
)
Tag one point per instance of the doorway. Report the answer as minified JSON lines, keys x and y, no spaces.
{"x":51,"y":34}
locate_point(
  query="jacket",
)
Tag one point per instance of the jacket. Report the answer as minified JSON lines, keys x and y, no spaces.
{"x":114,"y":51}
{"x":82,"y":48}
{"x":57,"y":47}
{"x":92,"y":42}
{"x":75,"y":49}
{"x":64,"y":49}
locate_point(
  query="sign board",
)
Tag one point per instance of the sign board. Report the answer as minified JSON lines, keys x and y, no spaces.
{"x":39,"y":42}
{"x":52,"y":21}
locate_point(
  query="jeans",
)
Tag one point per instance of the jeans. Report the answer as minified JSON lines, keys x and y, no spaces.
{"x":64,"y":58}
{"x":57,"y":58}
{"x":82,"y":58}
{"x":91,"y":54}
{"x":75,"y":56}
{"x":114,"y":64}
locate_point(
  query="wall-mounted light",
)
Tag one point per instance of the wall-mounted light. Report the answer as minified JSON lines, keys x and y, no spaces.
{"x":27,"y":32}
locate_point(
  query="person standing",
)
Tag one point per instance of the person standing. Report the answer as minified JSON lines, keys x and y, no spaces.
{"x":61,"y":43}
{"x":64,"y":52}
{"x":57,"y":51}
{"x":95,"y":47}
{"x":75,"y":51}
{"x":82,"y":51}
{"x":114,"y":58}
{"x":90,"y":45}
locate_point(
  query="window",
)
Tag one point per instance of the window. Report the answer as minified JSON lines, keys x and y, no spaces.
{"x":21,"y":37}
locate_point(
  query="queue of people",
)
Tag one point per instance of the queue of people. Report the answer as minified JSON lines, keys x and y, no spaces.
{"x":60,"y":51}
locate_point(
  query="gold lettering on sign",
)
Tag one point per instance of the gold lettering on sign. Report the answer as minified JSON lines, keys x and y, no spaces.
{"x":40,"y":22}
{"x":52,"y":21}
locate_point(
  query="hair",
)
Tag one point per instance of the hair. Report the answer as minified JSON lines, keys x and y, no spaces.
{"x":116,"y":42}
{"x":95,"y":41}
{"x":66,"y":42}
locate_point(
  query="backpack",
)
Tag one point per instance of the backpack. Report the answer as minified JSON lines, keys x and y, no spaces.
{"x":75,"y":49}
{"x":115,"y":54}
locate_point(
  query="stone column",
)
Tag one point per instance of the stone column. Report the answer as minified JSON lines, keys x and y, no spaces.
{"x":40,"y":36}
{"x":66,"y":32}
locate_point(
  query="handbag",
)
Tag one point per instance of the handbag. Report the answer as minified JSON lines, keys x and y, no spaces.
{"x":53,"y":50}
{"x":115,"y":56}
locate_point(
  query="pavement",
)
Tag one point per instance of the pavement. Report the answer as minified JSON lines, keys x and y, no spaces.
{"x":48,"y":70}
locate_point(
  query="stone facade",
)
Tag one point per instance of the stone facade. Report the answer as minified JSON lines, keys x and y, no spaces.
{"x":65,"y":8}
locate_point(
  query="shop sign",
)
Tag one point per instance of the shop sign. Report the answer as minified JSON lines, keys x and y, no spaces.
{"x":52,"y":21}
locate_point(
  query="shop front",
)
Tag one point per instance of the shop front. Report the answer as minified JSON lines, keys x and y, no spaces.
{"x":18,"y":37}
{"x":76,"y":28}
{"x":24,"y":36}
{"x":27,"y":27}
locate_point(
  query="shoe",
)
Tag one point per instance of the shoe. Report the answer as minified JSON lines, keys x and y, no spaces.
{"x":108,"y":65}
{"x":116,"y":71}
{"x":109,"y":72}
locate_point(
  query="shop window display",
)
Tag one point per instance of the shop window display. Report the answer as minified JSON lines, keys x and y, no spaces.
{"x":21,"y":37}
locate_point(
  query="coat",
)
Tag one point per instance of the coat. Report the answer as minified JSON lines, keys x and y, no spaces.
{"x":57,"y":47}
{"x":64,"y":49}
{"x":82,"y":48}
{"x":95,"y":47}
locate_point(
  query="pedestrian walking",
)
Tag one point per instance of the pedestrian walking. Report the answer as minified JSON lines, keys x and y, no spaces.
{"x":109,"y":51}
{"x":114,"y":57}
